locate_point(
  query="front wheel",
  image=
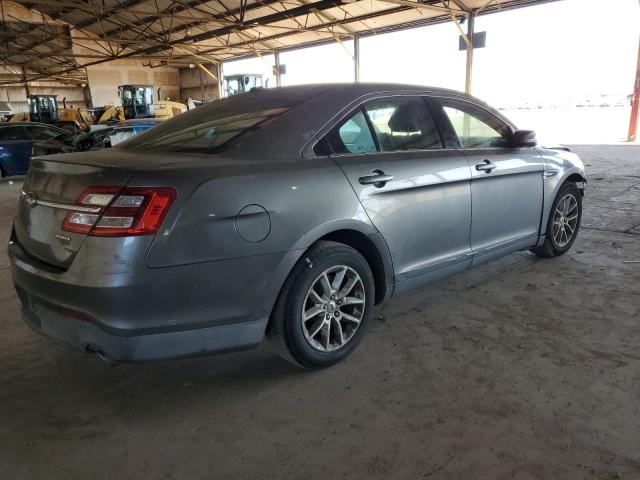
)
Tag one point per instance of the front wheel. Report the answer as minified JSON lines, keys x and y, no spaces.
{"x":324,"y":306}
{"x":564,"y":222}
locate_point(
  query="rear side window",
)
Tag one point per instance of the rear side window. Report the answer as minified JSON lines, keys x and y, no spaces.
{"x":352,"y":135}
{"x":14,"y":133}
{"x":475,"y":127}
{"x":403,"y":124}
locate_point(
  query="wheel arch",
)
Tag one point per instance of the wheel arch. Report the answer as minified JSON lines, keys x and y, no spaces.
{"x":370,"y":250}
{"x":577,"y":178}
{"x":573,"y":175}
{"x":357,"y":234}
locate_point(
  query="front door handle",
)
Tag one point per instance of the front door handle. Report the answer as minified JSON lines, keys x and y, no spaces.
{"x":485,"y":166}
{"x":377,"y":178}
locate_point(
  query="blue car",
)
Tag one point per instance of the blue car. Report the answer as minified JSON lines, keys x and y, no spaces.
{"x":16,"y":144}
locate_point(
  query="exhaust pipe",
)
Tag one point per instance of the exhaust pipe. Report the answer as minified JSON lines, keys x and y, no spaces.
{"x":101,"y":355}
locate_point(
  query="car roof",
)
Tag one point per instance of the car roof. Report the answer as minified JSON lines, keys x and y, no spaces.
{"x":306,"y":111}
{"x":310,"y":109}
{"x":358,"y":89}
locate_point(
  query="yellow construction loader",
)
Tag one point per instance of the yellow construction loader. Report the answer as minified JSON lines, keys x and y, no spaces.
{"x":137,"y":102}
{"x":44,"y":109}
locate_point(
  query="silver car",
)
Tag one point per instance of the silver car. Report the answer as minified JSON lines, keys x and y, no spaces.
{"x":288,"y":213}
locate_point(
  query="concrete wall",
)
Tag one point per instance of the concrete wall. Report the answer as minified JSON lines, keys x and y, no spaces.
{"x":105,"y":78}
{"x":102,"y":79}
{"x":196,"y":84}
{"x":16,"y":94}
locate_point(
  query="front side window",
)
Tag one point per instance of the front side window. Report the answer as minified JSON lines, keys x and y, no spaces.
{"x":352,"y":136}
{"x":127,"y":98}
{"x":474,"y":127}
{"x":388,"y":124}
{"x":403,"y":124}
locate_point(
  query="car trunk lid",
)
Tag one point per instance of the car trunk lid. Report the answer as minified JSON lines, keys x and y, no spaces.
{"x":51,"y":189}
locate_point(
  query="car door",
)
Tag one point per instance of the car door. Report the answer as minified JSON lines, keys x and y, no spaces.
{"x":41,"y":136}
{"x":40,"y":133}
{"x":415,"y":192}
{"x":506,"y":184}
{"x":15,"y":149}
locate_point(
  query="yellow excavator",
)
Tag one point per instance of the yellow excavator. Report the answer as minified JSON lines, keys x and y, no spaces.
{"x":137,"y":102}
{"x":44,"y":109}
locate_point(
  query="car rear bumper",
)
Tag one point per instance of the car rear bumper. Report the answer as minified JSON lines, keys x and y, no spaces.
{"x":150,"y":314}
{"x":85,"y":335}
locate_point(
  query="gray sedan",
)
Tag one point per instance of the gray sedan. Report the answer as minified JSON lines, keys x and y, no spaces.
{"x":287,"y":213}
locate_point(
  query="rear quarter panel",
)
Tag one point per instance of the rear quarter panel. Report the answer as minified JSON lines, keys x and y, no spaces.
{"x":300,"y":197}
{"x":303,"y":200}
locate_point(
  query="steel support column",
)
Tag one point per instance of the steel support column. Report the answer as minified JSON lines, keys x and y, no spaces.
{"x":469,"y":70}
{"x":26,"y":82}
{"x":635,"y":104}
{"x":221,"y":93}
{"x":276,"y":56}
{"x":466,"y":122}
{"x":356,"y":58}
{"x":201,"y":77}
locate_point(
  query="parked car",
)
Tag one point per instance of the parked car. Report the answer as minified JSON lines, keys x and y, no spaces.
{"x":287,"y":212}
{"x":16,"y":142}
{"x":107,"y":136}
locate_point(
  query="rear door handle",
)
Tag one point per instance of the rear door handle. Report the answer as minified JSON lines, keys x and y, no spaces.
{"x":486,"y":166}
{"x":377,"y":179}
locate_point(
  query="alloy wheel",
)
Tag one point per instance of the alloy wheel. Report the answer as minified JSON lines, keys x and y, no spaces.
{"x":565,"y":220}
{"x":333,"y":308}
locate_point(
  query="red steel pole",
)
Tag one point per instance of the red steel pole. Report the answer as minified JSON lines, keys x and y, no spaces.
{"x":635,"y":105}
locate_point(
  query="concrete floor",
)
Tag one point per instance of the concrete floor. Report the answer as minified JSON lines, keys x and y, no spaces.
{"x":523,"y":368}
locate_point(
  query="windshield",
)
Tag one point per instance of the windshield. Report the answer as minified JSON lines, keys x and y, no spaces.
{"x":198,"y":132}
{"x":139,"y":95}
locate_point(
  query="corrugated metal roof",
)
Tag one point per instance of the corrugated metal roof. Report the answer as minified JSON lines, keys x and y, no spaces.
{"x":59,"y":37}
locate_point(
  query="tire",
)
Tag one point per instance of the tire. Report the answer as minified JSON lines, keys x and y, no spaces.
{"x":559,"y":240}
{"x":292,"y":337}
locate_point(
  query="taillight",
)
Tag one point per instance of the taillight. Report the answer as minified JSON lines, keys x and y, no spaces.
{"x":117,"y":211}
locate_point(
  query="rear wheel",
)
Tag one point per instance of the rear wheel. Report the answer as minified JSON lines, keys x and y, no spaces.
{"x":564,"y":222}
{"x":324,"y":306}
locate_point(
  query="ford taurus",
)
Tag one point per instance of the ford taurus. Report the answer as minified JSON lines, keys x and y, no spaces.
{"x":287,"y":213}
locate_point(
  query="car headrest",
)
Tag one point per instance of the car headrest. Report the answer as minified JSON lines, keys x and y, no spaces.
{"x":406,"y":118}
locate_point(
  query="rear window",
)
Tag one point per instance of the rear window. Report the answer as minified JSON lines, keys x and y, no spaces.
{"x":198,"y":133}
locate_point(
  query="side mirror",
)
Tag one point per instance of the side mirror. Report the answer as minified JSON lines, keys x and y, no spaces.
{"x":524,"y":138}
